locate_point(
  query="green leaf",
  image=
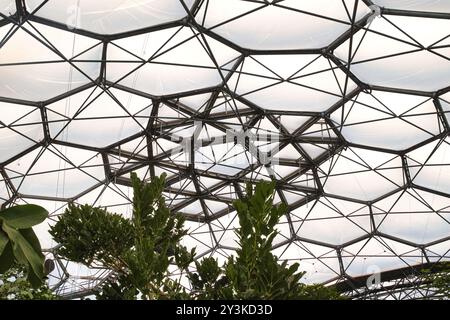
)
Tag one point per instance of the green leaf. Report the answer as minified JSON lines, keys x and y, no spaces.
{"x":22,"y":248}
{"x":6,"y":258}
{"x":32,"y":239}
{"x":24,"y":216}
{"x":3,"y":240}
{"x":33,"y":279}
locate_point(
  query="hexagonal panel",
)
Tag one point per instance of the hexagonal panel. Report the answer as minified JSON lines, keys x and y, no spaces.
{"x":401,"y":52}
{"x":414,"y":216}
{"x":98,"y":118}
{"x":46,"y":171}
{"x":361,"y":174}
{"x":331,"y":221}
{"x":109,"y":17}
{"x":428,"y":165}
{"x":290,"y":82}
{"x":45,"y":72}
{"x":299,"y":24}
{"x":372,"y":118}
{"x":20,"y":128}
{"x":169,"y":61}
{"x":416,"y":5}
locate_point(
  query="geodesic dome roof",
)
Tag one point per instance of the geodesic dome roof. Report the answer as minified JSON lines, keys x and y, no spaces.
{"x":346,"y":104}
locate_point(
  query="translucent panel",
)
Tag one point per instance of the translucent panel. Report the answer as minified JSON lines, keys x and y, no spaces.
{"x":43,"y":73}
{"x":4,"y":192}
{"x":384,"y":57}
{"x":372,"y":256}
{"x":371,"y":118}
{"x":362,"y":174}
{"x":319,"y":263}
{"x":408,"y":215}
{"x":110,"y":17}
{"x":7,"y":7}
{"x":331,"y":221}
{"x":428,"y":166}
{"x":289,"y":82}
{"x":415,"y":5}
{"x":300,"y":25}
{"x":445,"y":103}
{"x":177,"y":61}
{"x":36,"y":174}
{"x":20,"y":129}
{"x":98,"y":118}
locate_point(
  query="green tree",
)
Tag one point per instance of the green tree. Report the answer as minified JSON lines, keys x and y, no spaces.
{"x":18,"y":242}
{"x":255,"y":272}
{"x":139,"y":250}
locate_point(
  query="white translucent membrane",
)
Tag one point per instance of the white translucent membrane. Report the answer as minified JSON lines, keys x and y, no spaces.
{"x":361,"y":174}
{"x":176,"y":59}
{"x":111,"y":16}
{"x":379,"y":254}
{"x":415,"y":5}
{"x":4,"y":192}
{"x":21,"y":130}
{"x":35,"y":173}
{"x":320,"y":262}
{"x":7,"y":7}
{"x":445,"y":103}
{"x":47,"y":73}
{"x":281,"y":26}
{"x":98,"y":118}
{"x":370,"y":120}
{"x":429,"y":165}
{"x":331,"y":221}
{"x":413,"y":215}
{"x":290,"y":82}
{"x":385,"y":59}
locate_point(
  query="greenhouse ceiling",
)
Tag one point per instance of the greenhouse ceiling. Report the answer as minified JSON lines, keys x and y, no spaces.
{"x":346,"y":104}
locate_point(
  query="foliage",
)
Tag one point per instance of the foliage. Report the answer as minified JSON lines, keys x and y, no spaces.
{"x":15,"y":286}
{"x":438,"y":281}
{"x":92,"y":234}
{"x":18,"y":242}
{"x":255,"y":272}
{"x":139,"y":250}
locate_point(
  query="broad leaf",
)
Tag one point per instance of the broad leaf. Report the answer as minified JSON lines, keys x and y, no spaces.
{"x":22,"y":248}
{"x":3,"y":240}
{"x":32,"y":239}
{"x":24,"y":216}
{"x":34,"y":280}
{"x":6,"y":258}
